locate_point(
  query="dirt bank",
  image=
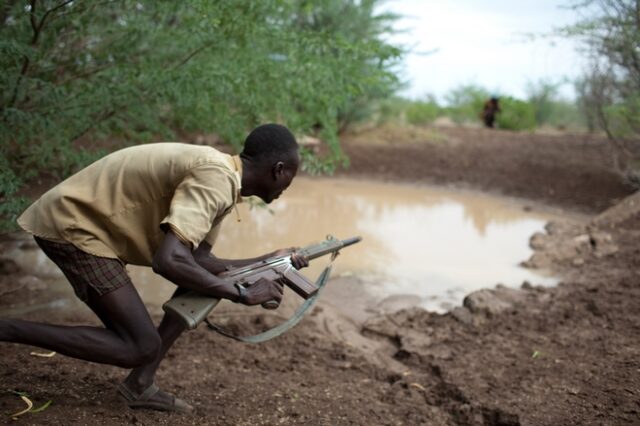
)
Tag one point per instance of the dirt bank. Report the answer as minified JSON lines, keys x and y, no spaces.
{"x":567,"y":355}
{"x":570,"y":171}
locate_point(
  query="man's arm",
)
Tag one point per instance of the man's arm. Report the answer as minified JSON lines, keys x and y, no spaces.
{"x":175,"y":262}
{"x":216,"y":265}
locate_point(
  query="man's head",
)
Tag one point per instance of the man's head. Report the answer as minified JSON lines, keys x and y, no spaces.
{"x":270,"y":161}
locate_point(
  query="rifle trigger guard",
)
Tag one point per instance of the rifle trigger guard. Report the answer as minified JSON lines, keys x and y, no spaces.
{"x":334,"y":255}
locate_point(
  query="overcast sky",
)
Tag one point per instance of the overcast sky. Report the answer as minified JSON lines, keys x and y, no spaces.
{"x":481,"y":42}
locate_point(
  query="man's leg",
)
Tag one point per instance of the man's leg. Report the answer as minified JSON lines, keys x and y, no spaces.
{"x":168,"y":332}
{"x":170,"y":329}
{"x":129,"y":340}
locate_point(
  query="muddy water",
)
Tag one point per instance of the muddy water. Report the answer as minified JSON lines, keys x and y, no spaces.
{"x":421,"y":245}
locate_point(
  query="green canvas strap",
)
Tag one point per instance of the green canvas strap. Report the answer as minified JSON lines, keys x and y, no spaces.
{"x":281,"y":328}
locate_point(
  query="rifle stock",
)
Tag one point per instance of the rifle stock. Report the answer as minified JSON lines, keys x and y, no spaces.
{"x":193,"y":307}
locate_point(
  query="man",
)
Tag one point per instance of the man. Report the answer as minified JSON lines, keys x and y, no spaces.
{"x":491,"y":108}
{"x":158,"y":205}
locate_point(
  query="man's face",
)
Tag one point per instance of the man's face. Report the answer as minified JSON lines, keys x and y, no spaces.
{"x":279,"y":180}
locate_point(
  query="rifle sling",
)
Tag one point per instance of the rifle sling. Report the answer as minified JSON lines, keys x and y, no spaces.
{"x":281,"y":328}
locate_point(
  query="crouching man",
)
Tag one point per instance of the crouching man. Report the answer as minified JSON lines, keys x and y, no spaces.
{"x":157,"y":205}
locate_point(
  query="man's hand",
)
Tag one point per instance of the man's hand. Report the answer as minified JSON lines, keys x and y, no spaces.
{"x":297,"y":260}
{"x":263,"y":291}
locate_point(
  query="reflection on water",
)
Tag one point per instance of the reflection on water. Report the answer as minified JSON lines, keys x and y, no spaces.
{"x":428,"y":242}
{"x":432,"y":244}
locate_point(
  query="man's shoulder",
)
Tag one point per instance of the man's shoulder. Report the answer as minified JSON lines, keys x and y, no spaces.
{"x":176,"y":153}
{"x":174,"y":147}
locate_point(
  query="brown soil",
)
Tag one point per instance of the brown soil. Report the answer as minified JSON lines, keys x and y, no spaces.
{"x":559,"y":356}
{"x":570,"y":170}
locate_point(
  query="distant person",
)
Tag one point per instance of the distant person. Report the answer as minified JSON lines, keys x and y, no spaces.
{"x":158,"y":205}
{"x":491,"y":108}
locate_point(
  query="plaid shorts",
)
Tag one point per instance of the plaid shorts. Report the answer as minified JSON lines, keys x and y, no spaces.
{"x":86,"y":271}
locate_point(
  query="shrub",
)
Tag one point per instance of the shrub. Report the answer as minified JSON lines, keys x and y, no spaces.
{"x":465,"y":103}
{"x":421,"y":113}
{"x":516,"y":114}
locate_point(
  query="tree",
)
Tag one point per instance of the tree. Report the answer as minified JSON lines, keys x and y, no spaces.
{"x":75,"y":73}
{"x":609,"y":32}
{"x":355,"y":23}
{"x":542,"y":95}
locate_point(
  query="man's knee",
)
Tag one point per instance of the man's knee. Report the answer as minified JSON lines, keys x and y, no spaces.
{"x":142,"y":352}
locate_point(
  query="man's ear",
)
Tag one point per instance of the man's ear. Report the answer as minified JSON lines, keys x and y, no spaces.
{"x":278,"y":169}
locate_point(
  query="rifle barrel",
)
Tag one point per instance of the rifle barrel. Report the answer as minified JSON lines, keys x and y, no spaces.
{"x":329,"y":246}
{"x":351,"y":241}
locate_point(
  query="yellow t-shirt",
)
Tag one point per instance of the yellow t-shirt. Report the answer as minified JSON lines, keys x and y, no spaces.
{"x":118,"y":206}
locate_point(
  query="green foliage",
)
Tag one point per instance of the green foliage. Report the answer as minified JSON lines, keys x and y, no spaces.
{"x":406,"y":111}
{"x":609,"y":33}
{"x":355,"y":23}
{"x":565,"y":115}
{"x":390,"y":110}
{"x":542,"y":95}
{"x":466,"y":102}
{"x":550,"y":110}
{"x":10,"y":202}
{"x":421,"y":113}
{"x":134,"y":71}
{"x":543,"y":108}
{"x":623,"y":117}
{"x":516,"y":114}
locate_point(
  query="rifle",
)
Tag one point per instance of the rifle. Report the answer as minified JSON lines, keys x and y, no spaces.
{"x":193,"y":307}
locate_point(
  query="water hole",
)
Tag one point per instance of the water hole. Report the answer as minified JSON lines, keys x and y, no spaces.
{"x":422,"y":246}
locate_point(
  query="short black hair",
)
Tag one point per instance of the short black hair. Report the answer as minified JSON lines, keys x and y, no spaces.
{"x":270,"y":143}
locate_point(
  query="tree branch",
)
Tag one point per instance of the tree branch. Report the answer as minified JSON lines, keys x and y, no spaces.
{"x":32,"y":19}
{"x":50,"y":11}
{"x":37,"y":30}
{"x":191,"y":55}
{"x":102,"y":117}
{"x":86,"y":73}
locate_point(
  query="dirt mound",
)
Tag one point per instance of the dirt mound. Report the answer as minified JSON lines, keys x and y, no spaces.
{"x":563,"y":355}
{"x":625,"y":215}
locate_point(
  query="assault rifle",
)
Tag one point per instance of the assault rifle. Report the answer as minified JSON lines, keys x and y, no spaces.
{"x":193,"y":307}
